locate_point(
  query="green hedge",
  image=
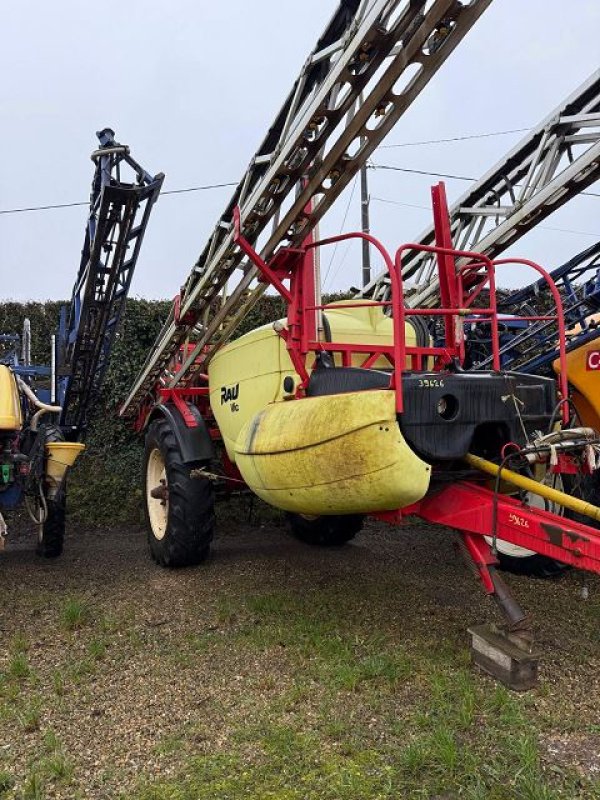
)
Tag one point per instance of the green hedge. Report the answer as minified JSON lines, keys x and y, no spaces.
{"x":105,"y":484}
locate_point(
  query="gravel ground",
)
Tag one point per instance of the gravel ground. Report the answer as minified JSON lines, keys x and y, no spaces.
{"x":116,"y":671}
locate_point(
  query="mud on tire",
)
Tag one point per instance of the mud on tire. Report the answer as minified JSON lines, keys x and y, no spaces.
{"x":180,"y":524}
{"x":331,"y":531}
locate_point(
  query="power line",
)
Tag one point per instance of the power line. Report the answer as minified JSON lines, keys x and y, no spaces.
{"x":454,"y":138}
{"x":86,"y":203}
{"x":568,"y":230}
{"x":199,"y":188}
{"x":209,"y":186}
{"x":545,"y":227}
{"x":221,"y":185}
{"x":398,"y":203}
{"x":43,"y":208}
{"x":422,"y":172}
{"x":393,"y":168}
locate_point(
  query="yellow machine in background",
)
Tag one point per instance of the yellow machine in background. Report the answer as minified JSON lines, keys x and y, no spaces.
{"x":34,"y":456}
{"x":45,"y":408}
{"x":583,"y":372}
{"x":11,"y":417}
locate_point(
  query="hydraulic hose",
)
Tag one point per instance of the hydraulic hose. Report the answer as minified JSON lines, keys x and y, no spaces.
{"x":44,"y":408}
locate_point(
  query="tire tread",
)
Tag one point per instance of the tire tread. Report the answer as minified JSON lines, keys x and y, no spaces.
{"x":191,"y":518}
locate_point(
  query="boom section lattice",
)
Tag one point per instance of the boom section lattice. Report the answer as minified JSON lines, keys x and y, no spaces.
{"x":552,"y":164}
{"x":117,"y":220}
{"x":372,"y":61}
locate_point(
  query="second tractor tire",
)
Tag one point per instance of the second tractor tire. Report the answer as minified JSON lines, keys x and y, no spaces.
{"x":50,"y":544}
{"x":324,"y":531}
{"x":181,"y":523}
{"x":536,"y":566}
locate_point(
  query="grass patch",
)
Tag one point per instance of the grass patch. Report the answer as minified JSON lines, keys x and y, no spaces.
{"x":19,"y":643}
{"x":457,"y":737}
{"x":325,"y":689}
{"x":81,"y":669}
{"x":18,"y":667}
{"x":97,"y":649}
{"x":52,"y":768}
{"x":58,"y":683}
{"x":75,"y":614}
{"x":315,"y":633}
{"x":170,"y":744}
{"x":35,"y":786}
{"x":381,"y":668}
{"x":29,"y":716}
{"x":6,"y":782}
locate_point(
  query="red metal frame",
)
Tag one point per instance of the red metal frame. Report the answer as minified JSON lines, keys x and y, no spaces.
{"x":560,"y":321}
{"x":179,"y":397}
{"x":460,"y":288}
{"x":470,"y":508}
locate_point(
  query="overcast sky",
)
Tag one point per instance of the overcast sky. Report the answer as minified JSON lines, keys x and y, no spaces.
{"x":192,"y":86}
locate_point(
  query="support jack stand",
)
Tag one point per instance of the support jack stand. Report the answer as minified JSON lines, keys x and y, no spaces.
{"x":505,"y":654}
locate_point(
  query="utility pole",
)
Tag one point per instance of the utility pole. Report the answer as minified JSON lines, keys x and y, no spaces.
{"x":364,"y":206}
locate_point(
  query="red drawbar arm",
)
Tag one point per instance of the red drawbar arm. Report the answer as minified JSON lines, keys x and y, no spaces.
{"x":470,"y":508}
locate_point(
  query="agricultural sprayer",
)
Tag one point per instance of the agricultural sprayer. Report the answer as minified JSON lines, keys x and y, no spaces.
{"x":341,"y":411}
{"x":44,"y":409}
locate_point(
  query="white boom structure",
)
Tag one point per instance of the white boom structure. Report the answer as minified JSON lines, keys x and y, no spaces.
{"x":552,"y":164}
{"x":372,"y":61}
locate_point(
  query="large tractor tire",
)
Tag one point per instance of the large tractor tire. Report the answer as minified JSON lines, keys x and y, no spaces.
{"x":50,"y":543}
{"x":534,"y":565}
{"x":331,"y":531}
{"x":52,"y":535}
{"x":179,"y":509}
{"x":586,"y":487}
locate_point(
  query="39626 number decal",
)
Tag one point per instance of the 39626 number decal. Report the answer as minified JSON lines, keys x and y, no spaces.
{"x":430,"y":383}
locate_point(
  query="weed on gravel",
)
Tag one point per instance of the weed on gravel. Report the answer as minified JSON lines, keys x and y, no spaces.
{"x":75,"y":614}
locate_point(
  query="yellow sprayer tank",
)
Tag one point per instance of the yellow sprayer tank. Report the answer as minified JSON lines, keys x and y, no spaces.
{"x":10,"y":408}
{"x":247,"y":374}
{"x":335,"y":454}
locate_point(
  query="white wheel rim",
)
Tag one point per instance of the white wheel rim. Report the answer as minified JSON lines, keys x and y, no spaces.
{"x":158,"y":510}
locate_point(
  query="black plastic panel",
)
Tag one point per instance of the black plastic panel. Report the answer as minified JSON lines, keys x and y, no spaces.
{"x":472,"y":403}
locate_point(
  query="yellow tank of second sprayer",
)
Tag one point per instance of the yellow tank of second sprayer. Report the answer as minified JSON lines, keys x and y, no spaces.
{"x":10,"y":407}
